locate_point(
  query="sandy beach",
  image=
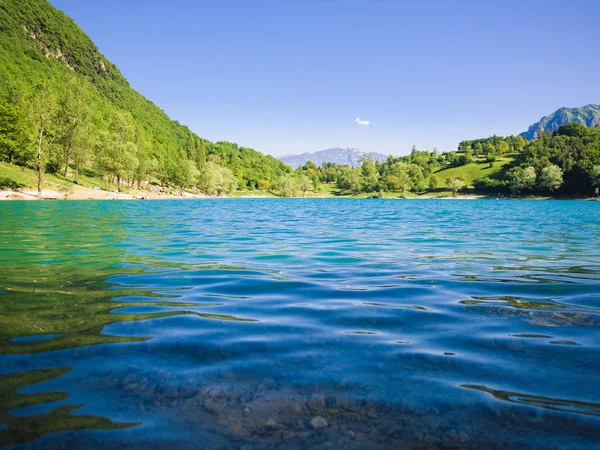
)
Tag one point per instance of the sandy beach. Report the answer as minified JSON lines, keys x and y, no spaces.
{"x":86,"y":193}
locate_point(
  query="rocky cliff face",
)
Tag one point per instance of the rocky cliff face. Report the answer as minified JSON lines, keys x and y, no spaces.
{"x":338,"y":155}
{"x":586,"y":115}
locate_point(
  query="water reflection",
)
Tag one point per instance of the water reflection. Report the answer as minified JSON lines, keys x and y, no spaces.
{"x":556,"y":404}
{"x":536,"y":312}
{"x":21,"y":428}
{"x":268,"y":325}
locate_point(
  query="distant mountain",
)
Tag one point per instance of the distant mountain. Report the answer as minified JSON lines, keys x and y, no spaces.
{"x":586,"y":115}
{"x":338,"y":155}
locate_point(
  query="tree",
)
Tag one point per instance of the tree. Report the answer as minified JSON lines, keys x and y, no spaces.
{"x":551,"y":178}
{"x":433,"y":182}
{"x":415,"y":173}
{"x":503,"y":147}
{"x":115,"y":157}
{"x":402,"y":173}
{"x":370,"y":174}
{"x":82,"y":145}
{"x":184,"y":173}
{"x":74,"y":113}
{"x":310,"y":166}
{"x":264,"y":185}
{"x":191,"y":147}
{"x":116,"y":150}
{"x":390,"y":182}
{"x":13,"y":132}
{"x":217,"y":180}
{"x":520,"y":179}
{"x":351,"y":180}
{"x":572,"y":129}
{"x":455,"y":184}
{"x":288,"y":186}
{"x":595,"y":178}
{"x":41,"y":106}
{"x":145,"y":166}
{"x":305,"y":184}
{"x":230,"y":184}
{"x":211,"y":178}
{"x":201,"y":152}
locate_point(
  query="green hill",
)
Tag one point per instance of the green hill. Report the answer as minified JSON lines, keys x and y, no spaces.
{"x":91,"y":110}
{"x":471,"y":172}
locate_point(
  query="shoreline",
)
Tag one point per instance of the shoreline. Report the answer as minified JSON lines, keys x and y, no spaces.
{"x":83,"y":193}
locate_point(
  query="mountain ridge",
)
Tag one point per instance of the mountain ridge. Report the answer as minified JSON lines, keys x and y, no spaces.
{"x":339,"y":155}
{"x":588,"y":115}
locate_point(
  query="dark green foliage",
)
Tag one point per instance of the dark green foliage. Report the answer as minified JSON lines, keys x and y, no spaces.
{"x":7,"y":183}
{"x":495,"y":145}
{"x":575,"y":149}
{"x":491,"y":184}
{"x":249,"y":166}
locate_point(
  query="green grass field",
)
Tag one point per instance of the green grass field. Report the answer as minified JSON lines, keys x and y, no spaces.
{"x":470,"y":172}
{"x":24,"y":178}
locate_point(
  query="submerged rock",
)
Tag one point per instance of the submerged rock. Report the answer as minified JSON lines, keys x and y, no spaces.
{"x":271,"y":424}
{"x":318,"y":422}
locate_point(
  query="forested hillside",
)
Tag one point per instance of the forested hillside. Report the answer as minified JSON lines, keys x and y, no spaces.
{"x":65,"y":108}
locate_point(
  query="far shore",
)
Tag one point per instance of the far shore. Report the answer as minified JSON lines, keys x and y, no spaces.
{"x":85,"y":193}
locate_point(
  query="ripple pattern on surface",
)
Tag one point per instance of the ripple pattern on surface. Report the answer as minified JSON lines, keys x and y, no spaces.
{"x":419,"y":324}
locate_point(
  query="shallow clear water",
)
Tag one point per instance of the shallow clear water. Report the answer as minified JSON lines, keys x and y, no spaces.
{"x":271,"y":323}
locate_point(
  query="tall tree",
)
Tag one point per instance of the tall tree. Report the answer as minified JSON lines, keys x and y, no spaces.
{"x":41,"y":105}
{"x":82,"y":147}
{"x":116,"y":149}
{"x":201,"y":152}
{"x":370,"y":174}
{"x":455,"y":184}
{"x":74,"y":113}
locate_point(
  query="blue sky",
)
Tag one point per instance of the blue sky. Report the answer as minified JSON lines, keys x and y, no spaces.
{"x":289,"y":76}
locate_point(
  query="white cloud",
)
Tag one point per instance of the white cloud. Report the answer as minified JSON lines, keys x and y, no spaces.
{"x":362,"y":122}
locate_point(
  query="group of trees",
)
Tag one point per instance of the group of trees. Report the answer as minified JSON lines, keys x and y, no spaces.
{"x":495,"y":145}
{"x":294,"y":184}
{"x":565,"y":162}
{"x":520,"y":179}
{"x":64,"y":107}
{"x":396,"y":174}
{"x":575,"y":150}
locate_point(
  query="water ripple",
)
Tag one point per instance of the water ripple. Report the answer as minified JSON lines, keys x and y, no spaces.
{"x":300,"y":323}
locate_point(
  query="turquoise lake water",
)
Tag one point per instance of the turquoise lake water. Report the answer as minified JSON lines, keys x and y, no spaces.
{"x":289,"y":324}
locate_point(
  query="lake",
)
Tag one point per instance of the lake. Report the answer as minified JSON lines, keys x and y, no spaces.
{"x":287,"y":324}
